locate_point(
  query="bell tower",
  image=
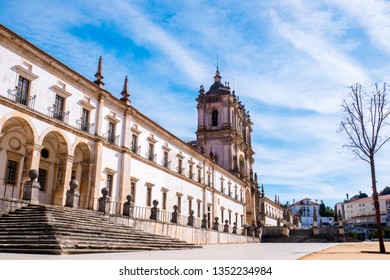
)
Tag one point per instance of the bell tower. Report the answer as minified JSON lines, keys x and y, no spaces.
{"x":225,"y":129}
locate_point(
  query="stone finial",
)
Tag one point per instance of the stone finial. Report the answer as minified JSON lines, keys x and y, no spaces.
{"x":73,"y":184}
{"x":226,"y":226}
{"x":125,"y":92}
{"x":216,"y":223}
{"x":104,"y":202}
{"x":217,"y":77}
{"x":128,"y":206}
{"x":212,"y":154}
{"x":204,"y":221}
{"x":72,"y":196}
{"x":99,"y":73}
{"x":191,"y":219}
{"x":234,"y":228}
{"x":31,"y":188}
{"x":154,"y":211}
{"x":201,"y":90}
{"x":315,"y":214}
{"x":33,"y":175}
{"x":174,"y":214}
{"x":104,"y":192}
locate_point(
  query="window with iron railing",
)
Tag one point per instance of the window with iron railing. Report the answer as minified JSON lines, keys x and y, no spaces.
{"x":21,"y":94}
{"x":150,"y":155}
{"x":57,"y":111}
{"x":165,"y":162}
{"x":83,"y":122}
{"x":110,"y":135}
{"x":134,"y":144}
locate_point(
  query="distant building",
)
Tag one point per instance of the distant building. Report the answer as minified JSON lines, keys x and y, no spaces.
{"x":271,"y":212}
{"x":305,"y":209}
{"x":361,"y":212}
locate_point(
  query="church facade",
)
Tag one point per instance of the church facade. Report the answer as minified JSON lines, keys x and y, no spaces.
{"x":58,"y":122}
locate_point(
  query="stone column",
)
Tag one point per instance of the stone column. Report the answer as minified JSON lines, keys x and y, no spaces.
{"x":85,"y":184}
{"x":97,"y":173}
{"x":31,"y":188}
{"x":72,"y":195}
{"x":31,"y":161}
{"x":64,"y":174}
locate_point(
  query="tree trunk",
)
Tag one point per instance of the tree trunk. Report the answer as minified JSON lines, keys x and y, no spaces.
{"x":382,"y":248}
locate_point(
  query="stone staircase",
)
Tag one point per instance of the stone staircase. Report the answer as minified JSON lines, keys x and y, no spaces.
{"x":48,"y":229}
{"x":296,"y":236}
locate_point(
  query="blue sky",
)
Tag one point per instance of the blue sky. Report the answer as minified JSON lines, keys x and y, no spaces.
{"x":290,"y":61}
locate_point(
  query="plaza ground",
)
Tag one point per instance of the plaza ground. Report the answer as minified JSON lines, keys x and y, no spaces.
{"x":256,"y":251}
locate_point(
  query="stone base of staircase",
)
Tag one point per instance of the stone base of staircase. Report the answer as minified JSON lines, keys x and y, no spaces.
{"x":47,"y":229}
{"x":296,"y":236}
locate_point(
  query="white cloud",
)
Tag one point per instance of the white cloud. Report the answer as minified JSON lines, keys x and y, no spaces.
{"x":373,"y":15}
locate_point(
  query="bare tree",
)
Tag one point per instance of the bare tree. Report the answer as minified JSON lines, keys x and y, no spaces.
{"x":365,"y":117}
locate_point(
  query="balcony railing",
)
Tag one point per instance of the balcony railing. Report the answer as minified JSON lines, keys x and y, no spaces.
{"x":26,"y":100}
{"x":166,"y":164}
{"x":113,"y":139}
{"x":58,"y":115}
{"x":85,"y":126}
{"x":136,"y":149}
{"x":150,"y":156}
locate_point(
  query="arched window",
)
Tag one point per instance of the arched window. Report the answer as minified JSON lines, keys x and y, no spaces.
{"x":214,"y":118}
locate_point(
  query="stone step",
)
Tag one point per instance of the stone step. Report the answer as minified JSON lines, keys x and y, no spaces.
{"x":45,"y":229}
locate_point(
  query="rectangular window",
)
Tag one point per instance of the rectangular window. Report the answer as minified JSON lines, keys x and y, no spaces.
{"x":164,"y":201}
{"x":165,"y":161}
{"x":85,"y":120}
{"x":58,"y":113}
{"x":22,"y":92}
{"x":109,"y":184}
{"x":199,"y":207}
{"x":42,"y":178}
{"x":10,"y":175}
{"x":222,"y":215}
{"x":208,"y":180}
{"x":230,"y":217}
{"x":149,"y":196}
{"x":222,"y":190}
{"x":132,"y":190}
{"x":111,"y":133}
{"x":190,"y":175}
{"x":134,"y":144}
{"x":151,"y":152}
{"x":180,"y":166}
{"x":199,"y":176}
